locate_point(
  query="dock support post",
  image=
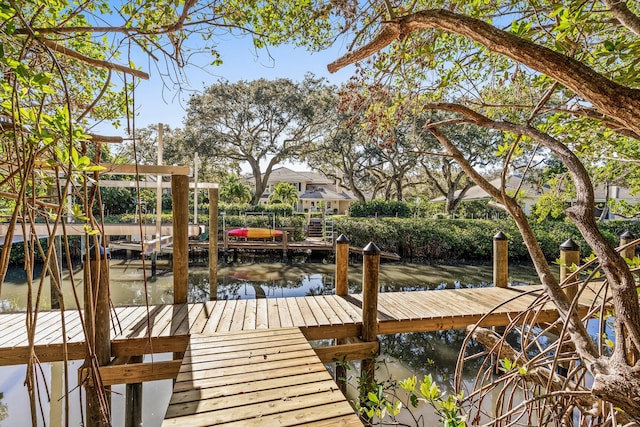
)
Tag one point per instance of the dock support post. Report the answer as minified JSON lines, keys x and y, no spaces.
{"x":98,"y":324}
{"x":133,"y":401}
{"x":213,"y":243}
{"x":180,"y":197}
{"x":569,"y":255}
{"x":500,"y":260}
{"x":154,"y":264}
{"x":285,"y":244}
{"x":342,"y":265}
{"x":342,"y":289}
{"x":55,"y":275}
{"x":629,"y":253}
{"x":370,"y":272}
{"x":500,"y":278}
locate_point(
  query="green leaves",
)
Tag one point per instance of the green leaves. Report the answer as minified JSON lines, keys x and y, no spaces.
{"x":447,"y":406}
{"x":507,"y":365}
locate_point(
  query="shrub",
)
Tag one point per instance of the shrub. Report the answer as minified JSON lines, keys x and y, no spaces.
{"x":379,"y":207}
{"x":461,"y":239}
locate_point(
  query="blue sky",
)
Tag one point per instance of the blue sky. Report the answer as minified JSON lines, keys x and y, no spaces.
{"x":155,"y":103}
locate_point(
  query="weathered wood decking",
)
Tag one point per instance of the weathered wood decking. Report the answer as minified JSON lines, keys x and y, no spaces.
{"x":266,"y":377}
{"x":165,"y":328}
{"x":234,"y":346}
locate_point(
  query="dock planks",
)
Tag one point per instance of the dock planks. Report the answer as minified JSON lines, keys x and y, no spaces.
{"x":249,"y":362}
{"x":165,"y":327}
{"x":255,"y":378}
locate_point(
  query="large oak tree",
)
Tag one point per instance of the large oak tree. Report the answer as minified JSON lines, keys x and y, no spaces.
{"x":262,"y":122}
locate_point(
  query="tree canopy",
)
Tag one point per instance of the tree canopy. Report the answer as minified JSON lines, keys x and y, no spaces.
{"x":260,"y":122}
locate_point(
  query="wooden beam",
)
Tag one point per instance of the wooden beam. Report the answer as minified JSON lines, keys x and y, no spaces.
{"x":135,"y":372}
{"x":77,"y":229}
{"x":47,"y":353}
{"x":335,"y":331}
{"x":138,"y":346}
{"x":131,"y":169}
{"x":356,"y":351}
{"x":151,"y":184}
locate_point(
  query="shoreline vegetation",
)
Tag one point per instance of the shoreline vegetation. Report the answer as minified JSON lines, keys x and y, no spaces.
{"x":426,"y":240}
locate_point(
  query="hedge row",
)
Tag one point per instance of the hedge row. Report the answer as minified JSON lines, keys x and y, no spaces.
{"x":460,"y":239}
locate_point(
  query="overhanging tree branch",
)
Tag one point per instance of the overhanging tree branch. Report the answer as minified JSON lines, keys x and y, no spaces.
{"x":92,"y":61}
{"x":609,"y":97}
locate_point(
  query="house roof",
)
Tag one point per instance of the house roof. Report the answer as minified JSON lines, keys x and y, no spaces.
{"x":324,"y":193}
{"x":283,"y":174}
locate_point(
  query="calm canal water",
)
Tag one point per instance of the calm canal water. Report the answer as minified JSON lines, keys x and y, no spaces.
{"x":403,"y":355}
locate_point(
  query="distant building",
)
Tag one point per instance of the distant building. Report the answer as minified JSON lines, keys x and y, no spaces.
{"x":314,"y":191}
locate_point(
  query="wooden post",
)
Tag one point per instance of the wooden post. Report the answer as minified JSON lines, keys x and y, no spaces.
{"x":500,"y":260}
{"x":630,"y":251}
{"x":55,"y":276}
{"x":133,"y":401}
{"x":342,"y":265}
{"x":98,"y":324}
{"x":154,"y":264}
{"x":180,"y":197}
{"x":57,"y":394}
{"x":342,"y":288}
{"x":569,"y":255}
{"x":370,"y":272}
{"x":159,"y":192}
{"x":285,"y":244}
{"x":213,"y":243}
{"x":500,"y":277}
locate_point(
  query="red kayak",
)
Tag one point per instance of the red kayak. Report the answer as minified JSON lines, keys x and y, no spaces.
{"x":255,"y":233}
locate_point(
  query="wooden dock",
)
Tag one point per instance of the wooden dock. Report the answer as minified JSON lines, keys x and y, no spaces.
{"x":231,"y":344}
{"x":268,"y":377}
{"x":165,"y":328}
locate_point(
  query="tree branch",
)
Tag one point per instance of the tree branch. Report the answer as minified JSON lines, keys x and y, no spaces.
{"x":625,"y":16}
{"x":609,"y":97}
{"x":97,"y":62}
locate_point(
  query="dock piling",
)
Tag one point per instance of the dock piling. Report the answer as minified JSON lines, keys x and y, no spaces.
{"x":569,"y":256}
{"x":500,"y":260}
{"x":97,"y":323}
{"x":180,"y":207}
{"x":213,"y":243}
{"x":285,"y":244}
{"x":342,"y":265}
{"x":500,"y":278}
{"x":630,"y":251}
{"x":133,"y":400}
{"x":342,"y":289}
{"x":370,"y":284}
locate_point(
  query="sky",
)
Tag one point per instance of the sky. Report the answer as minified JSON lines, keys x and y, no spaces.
{"x":156,"y":102}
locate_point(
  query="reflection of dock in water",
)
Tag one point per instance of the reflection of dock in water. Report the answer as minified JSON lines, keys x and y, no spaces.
{"x":310,"y":244}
